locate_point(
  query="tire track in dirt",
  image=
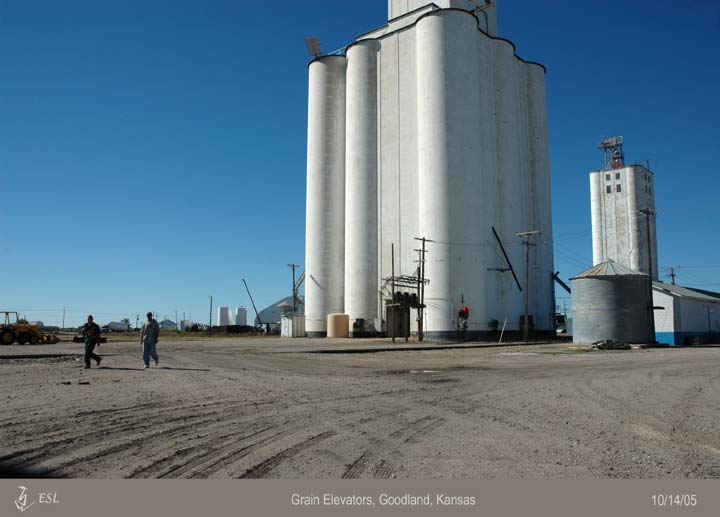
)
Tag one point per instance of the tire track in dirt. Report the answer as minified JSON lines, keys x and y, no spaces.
{"x":264,"y":468}
{"x":54,"y":448}
{"x":217,"y":464}
{"x":145,"y":409}
{"x":214,"y":459}
{"x":377,"y":456}
{"x":213,"y":428}
{"x":212,"y":453}
{"x":203,"y":447}
{"x":357,"y":467}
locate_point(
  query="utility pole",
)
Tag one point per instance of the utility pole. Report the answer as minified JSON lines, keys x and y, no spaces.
{"x":137,"y":321}
{"x":647,"y":212}
{"x":709,"y":325}
{"x":294,"y":291}
{"x":526,"y":242}
{"x":177,"y":323}
{"x":210,"y":326}
{"x":672,"y":275}
{"x":63,"y":325}
{"x":392,"y":289}
{"x":421,"y":288}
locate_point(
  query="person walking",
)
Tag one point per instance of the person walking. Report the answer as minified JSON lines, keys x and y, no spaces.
{"x":91,"y":332}
{"x":149,"y":340}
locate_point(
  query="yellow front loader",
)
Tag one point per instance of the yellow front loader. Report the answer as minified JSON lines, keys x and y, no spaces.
{"x":22,"y":332}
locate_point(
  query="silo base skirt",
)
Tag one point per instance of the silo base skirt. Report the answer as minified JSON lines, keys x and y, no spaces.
{"x":512,"y":336}
{"x":316,"y":334}
{"x":366,"y":334}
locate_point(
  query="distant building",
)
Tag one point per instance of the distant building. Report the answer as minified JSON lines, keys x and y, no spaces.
{"x":621,"y":199}
{"x":683,"y":314}
{"x":273,"y":313}
{"x":240,"y":316}
{"x":168,"y":325}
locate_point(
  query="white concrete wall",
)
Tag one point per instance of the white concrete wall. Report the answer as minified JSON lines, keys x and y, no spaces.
{"x":619,"y":232}
{"x":542,"y":288}
{"x":462,"y":147}
{"x":488,"y":20}
{"x":452,"y":164}
{"x":361,"y":193}
{"x":693,"y":316}
{"x":665,"y":318}
{"x":510,"y":183}
{"x":398,"y":153}
{"x":596,"y":213}
{"x":325,"y":215}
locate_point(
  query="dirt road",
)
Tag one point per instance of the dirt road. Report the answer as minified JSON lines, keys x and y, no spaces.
{"x":269,"y":407}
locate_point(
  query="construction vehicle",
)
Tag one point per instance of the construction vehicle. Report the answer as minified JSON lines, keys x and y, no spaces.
{"x":22,"y":332}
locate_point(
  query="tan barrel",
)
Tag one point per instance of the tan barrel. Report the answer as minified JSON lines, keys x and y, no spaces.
{"x":338,"y":325}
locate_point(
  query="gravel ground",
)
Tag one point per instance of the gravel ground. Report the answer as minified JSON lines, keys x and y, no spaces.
{"x":279,"y":408}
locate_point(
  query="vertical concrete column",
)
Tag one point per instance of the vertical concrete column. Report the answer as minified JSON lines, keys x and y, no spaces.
{"x":450,"y":130}
{"x":541,"y":201}
{"x":596,"y":213}
{"x":325,"y":215}
{"x":510,"y":183}
{"x":636,"y":236}
{"x":361,"y":180}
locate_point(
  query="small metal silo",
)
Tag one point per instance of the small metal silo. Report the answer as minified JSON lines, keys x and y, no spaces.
{"x":611,"y":302}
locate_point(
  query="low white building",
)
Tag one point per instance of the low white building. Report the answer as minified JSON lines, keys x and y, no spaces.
{"x":682,"y":314}
{"x":168,"y":325}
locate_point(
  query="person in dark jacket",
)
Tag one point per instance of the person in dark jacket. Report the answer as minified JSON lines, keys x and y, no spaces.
{"x":91,"y":332}
{"x":149,"y":339}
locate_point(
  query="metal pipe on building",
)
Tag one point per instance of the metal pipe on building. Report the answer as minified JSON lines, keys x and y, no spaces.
{"x":325,"y":215}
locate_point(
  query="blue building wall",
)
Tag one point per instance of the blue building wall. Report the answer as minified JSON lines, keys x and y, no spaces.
{"x":679,"y":338}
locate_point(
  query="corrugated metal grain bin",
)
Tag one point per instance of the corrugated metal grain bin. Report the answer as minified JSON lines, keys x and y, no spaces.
{"x":611,"y":301}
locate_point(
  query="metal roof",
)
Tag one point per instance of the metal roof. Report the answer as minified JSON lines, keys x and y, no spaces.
{"x":685,"y":292}
{"x":609,"y":268}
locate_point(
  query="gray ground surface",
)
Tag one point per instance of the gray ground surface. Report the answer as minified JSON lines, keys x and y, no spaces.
{"x":270,"y":407}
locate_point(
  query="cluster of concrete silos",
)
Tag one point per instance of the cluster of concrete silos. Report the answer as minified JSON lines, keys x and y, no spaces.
{"x":225,"y":316}
{"x":428,"y":127}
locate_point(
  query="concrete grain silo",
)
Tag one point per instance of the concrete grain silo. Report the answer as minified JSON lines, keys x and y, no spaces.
{"x":612,"y":302}
{"x":225,"y":316}
{"x":240,"y":316}
{"x":325,"y":210}
{"x":430,"y":126}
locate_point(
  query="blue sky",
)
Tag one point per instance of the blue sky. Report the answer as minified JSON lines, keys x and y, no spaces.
{"x":153,"y":152}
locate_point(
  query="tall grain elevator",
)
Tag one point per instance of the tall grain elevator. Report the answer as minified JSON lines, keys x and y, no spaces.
{"x":622,"y":200}
{"x":429,"y":126}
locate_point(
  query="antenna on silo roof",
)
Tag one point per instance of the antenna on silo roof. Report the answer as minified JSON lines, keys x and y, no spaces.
{"x":313,"y":46}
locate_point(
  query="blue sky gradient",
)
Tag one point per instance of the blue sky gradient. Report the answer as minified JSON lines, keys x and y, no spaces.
{"x":153,"y":152}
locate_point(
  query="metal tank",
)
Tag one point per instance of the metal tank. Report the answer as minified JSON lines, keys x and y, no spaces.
{"x":240,"y":316}
{"x":224,"y":316}
{"x":450,"y":163}
{"x":325,"y":214}
{"x":611,"y":301}
{"x":361,"y":194}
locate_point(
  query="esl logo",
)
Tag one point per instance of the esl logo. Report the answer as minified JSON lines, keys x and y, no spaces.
{"x":22,"y":504}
